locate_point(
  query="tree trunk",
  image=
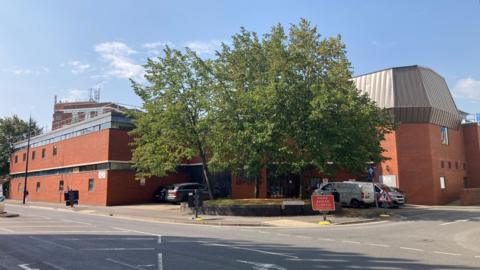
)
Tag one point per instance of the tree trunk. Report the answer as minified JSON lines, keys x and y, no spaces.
{"x":257,"y":187}
{"x":206,"y":174}
{"x":301,"y":191}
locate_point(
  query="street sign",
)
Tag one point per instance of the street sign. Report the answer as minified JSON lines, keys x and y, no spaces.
{"x":323,"y":203}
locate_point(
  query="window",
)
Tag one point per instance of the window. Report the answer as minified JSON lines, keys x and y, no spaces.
{"x":442,"y":182}
{"x":19,"y":187}
{"x":37,"y":189}
{"x":33,"y":155}
{"x":464,"y":166}
{"x":16,"y":159}
{"x":54,"y":151}
{"x":61,"y":185}
{"x":90,"y":184}
{"x":24,"y":156}
{"x":442,"y":164}
{"x":43,"y":152}
{"x":449,"y":164}
{"x":456,"y":165}
{"x":444,"y":135}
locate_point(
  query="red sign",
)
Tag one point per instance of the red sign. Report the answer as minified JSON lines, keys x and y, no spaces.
{"x":324,"y":203}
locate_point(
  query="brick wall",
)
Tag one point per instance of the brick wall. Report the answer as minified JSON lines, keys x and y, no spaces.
{"x":471,"y":135}
{"x":242,"y":189}
{"x":420,"y":153}
{"x":88,"y":148}
{"x":471,"y":196}
{"x":49,"y":188}
{"x":390,"y":166}
{"x":124,"y":189}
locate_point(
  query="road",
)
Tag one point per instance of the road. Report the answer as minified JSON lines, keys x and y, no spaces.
{"x":61,"y":240}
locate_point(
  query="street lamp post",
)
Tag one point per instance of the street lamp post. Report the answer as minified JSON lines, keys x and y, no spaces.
{"x":28,"y":154}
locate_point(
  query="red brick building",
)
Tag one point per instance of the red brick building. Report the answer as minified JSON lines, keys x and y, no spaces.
{"x":91,"y":156}
{"x":433,"y":156}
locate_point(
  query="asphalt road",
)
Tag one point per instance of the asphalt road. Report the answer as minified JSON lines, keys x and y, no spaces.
{"x":54,"y":239}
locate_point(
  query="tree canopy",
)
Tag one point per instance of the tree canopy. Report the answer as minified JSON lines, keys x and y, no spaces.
{"x":284,"y":98}
{"x":12,"y":130}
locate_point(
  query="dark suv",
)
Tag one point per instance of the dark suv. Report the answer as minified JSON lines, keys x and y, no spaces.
{"x":179,"y":192}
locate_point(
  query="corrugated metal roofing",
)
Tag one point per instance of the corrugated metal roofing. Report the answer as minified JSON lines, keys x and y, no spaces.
{"x":415,"y":95}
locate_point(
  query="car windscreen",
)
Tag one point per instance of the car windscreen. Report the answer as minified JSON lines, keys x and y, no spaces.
{"x":386,"y":188}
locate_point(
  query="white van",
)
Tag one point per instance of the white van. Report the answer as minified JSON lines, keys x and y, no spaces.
{"x":352,"y":193}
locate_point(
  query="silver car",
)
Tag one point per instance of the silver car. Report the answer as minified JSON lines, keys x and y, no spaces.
{"x":397,"y":198}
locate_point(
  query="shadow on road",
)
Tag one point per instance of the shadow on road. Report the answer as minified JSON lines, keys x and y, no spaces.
{"x":144,"y":252}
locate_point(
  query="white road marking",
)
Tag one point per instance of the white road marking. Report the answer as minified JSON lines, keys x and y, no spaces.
{"x":6,"y":230}
{"x":50,"y":242}
{"x":71,"y":221}
{"x":160,"y":261}
{"x":250,"y":249}
{"x":68,"y":232}
{"x":25,"y":267}
{"x":105,"y":239}
{"x":264,"y":232}
{"x":124,"y":264}
{"x":477,"y":256}
{"x":413,"y":249}
{"x":304,"y":237}
{"x":117,"y":249}
{"x":350,"y":242}
{"x":159,"y":237}
{"x":283,"y":235}
{"x":318,"y":260}
{"x":453,"y":222}
{"x":54,"y":266}
{"x":50,"y":226}
{"x":446,"y":253}
{"x":326,"y":239}
{"x":263,"y":266}
{"x":378,"y":245}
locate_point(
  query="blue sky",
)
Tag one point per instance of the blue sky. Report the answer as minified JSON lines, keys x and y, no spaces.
{"x":64,"y":48}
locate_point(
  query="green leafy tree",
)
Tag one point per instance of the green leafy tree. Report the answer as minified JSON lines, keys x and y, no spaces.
{"x":12,"y":130}
{"x":173,"y":127}
{"x":289,"y":100}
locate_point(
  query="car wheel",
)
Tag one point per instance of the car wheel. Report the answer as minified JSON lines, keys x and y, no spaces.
{"x":355,"y":203}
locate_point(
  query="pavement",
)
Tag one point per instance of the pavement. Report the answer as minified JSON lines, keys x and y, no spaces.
{"x":44,"y":238}
{"x":175,"y":214}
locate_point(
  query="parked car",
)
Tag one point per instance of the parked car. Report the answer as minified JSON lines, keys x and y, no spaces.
{"x":160,"y":194}
{"x":392,"y":197}
{"x":352,"y":193}
{"x":179,"y":192}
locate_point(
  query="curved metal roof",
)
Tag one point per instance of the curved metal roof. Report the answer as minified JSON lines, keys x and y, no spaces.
{"x":414,"y":94}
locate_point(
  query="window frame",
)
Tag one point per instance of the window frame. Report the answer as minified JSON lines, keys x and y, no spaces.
{"x":91,"y":184}
{"x":443,"y":183}
{"x":444,"y":135}
{"x":61,"y":185}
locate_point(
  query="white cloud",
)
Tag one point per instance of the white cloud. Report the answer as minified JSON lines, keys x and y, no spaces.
{"x":26,"y":71}
{"x":204,"y":47}
{"x":78,"y":67}
{"x":156,"y":47}
{"x":120,"y":64}
{"x":467,"y":88}
{"x":75,"y":95}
